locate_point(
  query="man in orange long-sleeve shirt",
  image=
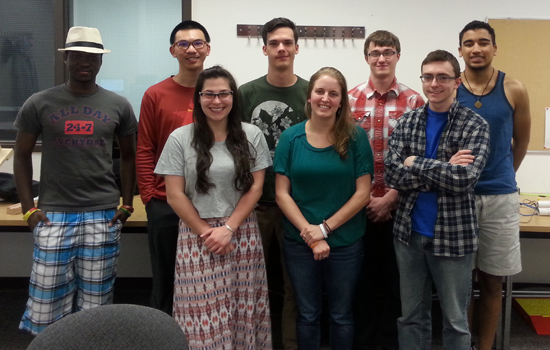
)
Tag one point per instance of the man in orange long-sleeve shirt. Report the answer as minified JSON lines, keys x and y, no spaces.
{"x":165,"y":107}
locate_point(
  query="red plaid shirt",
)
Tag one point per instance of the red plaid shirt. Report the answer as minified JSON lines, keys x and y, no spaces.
{"x":377,"y":114}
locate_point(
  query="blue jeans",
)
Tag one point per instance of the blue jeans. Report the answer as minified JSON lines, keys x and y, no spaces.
{"x":452,"y":277}
{"x":337,"y":276}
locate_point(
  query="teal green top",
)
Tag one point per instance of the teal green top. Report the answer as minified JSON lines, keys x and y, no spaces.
{"x":322,"y":182}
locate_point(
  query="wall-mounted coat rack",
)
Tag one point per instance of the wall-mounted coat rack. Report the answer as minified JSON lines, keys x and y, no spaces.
{"x":315,"y":32}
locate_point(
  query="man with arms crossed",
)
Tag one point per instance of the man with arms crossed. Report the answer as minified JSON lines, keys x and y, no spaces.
{"x":275,"y":102}
{"x":165,"y":107}
{"x":435,"y":156}
{"x":76,"y":225}
{"x":504,"y":103}
{"x":376,"y":106}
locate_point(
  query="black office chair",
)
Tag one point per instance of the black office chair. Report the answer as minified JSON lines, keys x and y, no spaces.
{"x":113,"y":327}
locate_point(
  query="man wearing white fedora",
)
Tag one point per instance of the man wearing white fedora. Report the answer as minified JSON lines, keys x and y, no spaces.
{"x":76,"y":225}
{"x":165,"y":107}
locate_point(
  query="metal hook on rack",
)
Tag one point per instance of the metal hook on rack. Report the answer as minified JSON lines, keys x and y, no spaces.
{"x":345,"y":32}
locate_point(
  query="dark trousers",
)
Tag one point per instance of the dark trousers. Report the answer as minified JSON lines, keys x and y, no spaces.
{"x":162,"y":227}
{"x":270,"y":221}
{"x":377,"y":298}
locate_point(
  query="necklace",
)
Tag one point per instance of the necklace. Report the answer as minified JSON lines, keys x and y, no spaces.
{"x":478,"y":103}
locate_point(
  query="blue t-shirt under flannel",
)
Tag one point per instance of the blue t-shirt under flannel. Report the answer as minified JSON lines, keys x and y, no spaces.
{"x":424,"y":212}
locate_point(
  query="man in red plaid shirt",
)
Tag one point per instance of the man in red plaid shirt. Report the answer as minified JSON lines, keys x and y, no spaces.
{"x":376,"y":105}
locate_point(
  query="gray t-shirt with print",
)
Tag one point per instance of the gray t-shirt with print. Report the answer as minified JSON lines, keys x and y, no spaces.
{"x":179,"y":158}
{"x":77,"y":143}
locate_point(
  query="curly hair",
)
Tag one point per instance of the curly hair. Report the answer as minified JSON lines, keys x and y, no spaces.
{"x":236,"y":141}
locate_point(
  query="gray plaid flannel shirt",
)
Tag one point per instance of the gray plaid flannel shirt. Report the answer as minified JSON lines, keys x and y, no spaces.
{"x":456,"y":227}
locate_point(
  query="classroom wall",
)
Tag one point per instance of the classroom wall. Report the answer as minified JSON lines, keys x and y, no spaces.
{"x":422,"y":26}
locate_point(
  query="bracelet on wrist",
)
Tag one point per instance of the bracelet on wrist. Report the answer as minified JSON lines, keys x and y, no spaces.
{"x":126,"y":211}
{"x":327,"y":227}
{"x":323,"y":231}
{"x":312,"y":245}
{"x":29,"y":213}
{"x":229,"y":228}
{"x":128,"y":207}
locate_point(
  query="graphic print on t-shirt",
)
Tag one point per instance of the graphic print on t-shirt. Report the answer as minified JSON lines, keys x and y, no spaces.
{"x":186,"y":116}
{"x":77,"y":125}
{"x":273,"y":117}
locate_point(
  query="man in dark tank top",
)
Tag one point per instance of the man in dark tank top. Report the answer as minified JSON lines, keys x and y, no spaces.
{"x":504,"y":103}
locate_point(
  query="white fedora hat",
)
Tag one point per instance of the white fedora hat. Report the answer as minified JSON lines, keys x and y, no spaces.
{"x":84,"y":39}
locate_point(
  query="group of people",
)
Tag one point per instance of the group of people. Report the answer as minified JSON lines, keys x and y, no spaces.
{"x":371,"y":194}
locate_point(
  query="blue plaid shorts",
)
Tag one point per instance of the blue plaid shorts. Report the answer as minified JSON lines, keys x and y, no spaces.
{"x":75,"y":255}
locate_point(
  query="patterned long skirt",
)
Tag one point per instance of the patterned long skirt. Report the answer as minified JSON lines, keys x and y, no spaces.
{"x":221,"y":301}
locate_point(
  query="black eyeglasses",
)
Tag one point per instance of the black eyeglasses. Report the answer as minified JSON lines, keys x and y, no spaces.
{"x":222,"y":95}
{"x":377,"y":54}
{"x":439,"y":78}
{"x":184,"y":44}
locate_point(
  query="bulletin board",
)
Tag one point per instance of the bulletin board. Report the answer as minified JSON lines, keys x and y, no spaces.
{"x":523,"y":53}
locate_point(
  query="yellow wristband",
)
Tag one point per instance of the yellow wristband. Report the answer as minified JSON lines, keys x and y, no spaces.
{"x":29,"y":213}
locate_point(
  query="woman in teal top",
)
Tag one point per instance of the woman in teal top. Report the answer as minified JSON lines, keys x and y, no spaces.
{"x":324,"y":168}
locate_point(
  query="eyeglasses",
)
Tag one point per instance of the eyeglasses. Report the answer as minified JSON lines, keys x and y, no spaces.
{"x":222,"y":95}
{"x":184,"y":44}
{"x":439,"y":78}
{"x":377,"y":54}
